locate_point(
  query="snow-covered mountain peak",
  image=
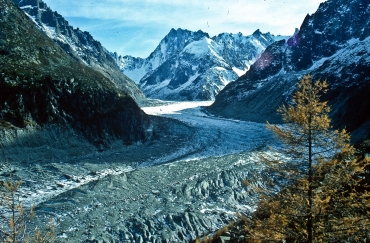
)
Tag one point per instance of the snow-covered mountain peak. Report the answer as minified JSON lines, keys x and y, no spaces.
{"x":201,"y":47}
{"x":173,"y":43}
{"x":190,"y":65}
{"x":331,"y":44}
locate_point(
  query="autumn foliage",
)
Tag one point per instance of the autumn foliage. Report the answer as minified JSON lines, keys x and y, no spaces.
{"x":316,"y":192}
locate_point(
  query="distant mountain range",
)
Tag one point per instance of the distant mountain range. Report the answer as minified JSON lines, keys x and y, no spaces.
{"x":190,"y":65}
{"x":332,"y":44}
{"x":56,"y":80}
{"x":78,"y":44}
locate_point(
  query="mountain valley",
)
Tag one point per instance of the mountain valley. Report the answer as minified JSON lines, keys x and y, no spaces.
{"x":186,"y":184}
{"x":124,"y":149}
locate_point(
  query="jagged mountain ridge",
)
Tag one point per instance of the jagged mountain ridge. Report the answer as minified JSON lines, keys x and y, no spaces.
{"x":190,"y":65}
{"x":322,"y":47}
{"x":41,"y":85}
{"x":78,"y":44}
{"x":173,"y":42}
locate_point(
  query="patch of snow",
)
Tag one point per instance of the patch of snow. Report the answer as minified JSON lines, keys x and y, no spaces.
{"x":198,"y":48}
{"x":59,"y":186}
{"x":220,"y":68}
{"x":160,"y":85}
{"x":240,"y":72}
{"x":353,"y":41}
{"x":281,"y":37}
{"x":348,"y":54}
{"x":163,"y":50}
{"x":175,"y":107}
{"x":188,"y":83}
{"x":27,"y":6}
{"x":318,"y":63}
{"x":136,"y":74}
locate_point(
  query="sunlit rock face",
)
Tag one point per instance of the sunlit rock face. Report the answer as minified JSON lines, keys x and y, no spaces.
{"x":190,"y":65}
{"x":78,"y":44}
{"x":42,"y":85}
{"x":331,"y":44}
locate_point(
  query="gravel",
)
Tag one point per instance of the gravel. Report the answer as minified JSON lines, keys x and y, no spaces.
{"x":184,"y":182}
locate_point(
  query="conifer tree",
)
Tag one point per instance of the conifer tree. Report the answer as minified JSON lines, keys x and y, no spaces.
{"x":14,"y":220}
{"x":316,"y":192}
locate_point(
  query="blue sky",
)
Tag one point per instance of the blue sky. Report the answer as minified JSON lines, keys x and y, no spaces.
{"x":135,"y":28}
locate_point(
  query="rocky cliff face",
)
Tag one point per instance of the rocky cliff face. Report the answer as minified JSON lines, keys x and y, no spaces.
{"x":78,"y":44}
{"x":331,"y":44}
{"x":41,"y":84}
{"x":174,"y":42}
{"x":193,"y":66}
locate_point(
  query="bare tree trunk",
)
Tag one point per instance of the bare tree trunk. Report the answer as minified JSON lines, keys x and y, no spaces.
{"x":310,"y":174}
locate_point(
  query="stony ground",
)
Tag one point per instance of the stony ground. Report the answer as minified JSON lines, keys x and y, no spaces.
{"x":185,"y":182}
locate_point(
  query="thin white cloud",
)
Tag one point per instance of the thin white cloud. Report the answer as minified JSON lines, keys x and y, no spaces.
{"x":212,"y":16}
{"x":193,"y":14}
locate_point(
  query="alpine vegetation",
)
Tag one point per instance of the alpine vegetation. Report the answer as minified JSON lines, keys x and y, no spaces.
{"x":322,"y":196}
{"x":15,"y":221}
{"x":109,"y":165}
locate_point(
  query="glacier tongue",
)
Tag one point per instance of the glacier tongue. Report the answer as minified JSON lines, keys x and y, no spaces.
{"x":185,"y":184}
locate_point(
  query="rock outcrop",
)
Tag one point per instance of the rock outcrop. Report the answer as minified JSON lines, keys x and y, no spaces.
{"x":331,"y":44}
{"x":41,"y":84}
{"x":78,"y":44}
